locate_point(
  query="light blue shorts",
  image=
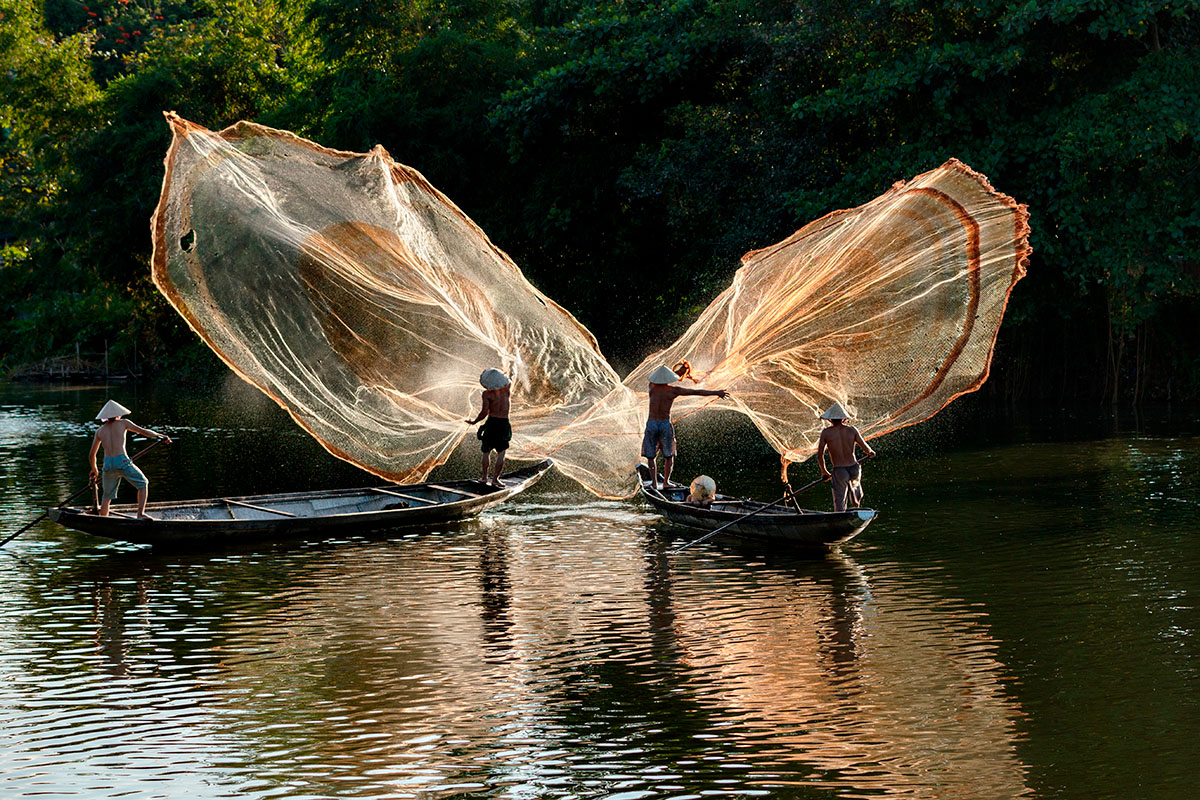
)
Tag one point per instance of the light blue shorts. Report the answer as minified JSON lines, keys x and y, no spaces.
{"x":659,"y":434}
{"x":116,"y":468}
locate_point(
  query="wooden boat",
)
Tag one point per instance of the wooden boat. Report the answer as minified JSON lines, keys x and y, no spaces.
{"x":779,"y":524}
{"x":311,"y":515}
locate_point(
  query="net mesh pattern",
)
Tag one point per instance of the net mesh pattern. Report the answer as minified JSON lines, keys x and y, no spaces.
{"x":364,"y":302}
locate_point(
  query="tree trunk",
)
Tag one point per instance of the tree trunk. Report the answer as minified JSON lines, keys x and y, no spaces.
{"x":1141,"y":378}
{"x":1116,"y":347}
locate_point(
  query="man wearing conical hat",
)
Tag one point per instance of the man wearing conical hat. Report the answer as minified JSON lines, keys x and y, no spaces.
{"x":496,"y":433}
{"x":117,"y":463}
{"x":840,"y":439}
{"x":660,"y":434}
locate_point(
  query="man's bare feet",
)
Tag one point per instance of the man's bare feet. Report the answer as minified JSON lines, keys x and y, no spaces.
{"x":146,"y":517}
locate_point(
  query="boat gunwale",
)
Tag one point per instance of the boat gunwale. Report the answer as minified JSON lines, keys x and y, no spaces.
{"x":798,"y":529}
{"x":656,"y":497}
{"x":175,"y":530}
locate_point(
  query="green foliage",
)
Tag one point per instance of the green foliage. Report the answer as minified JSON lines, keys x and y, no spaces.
{"x":1087,"y":111}
{"x":667,"y":113}
{"x":117,"y":29}
{"x":47,"y":98}
{"x":622,"y":149}
{"x":419,"y":77}
{"x":83,"y":150}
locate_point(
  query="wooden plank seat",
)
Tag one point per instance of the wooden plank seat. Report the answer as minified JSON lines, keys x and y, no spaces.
{"x":463,"y":492}
{"x":403,"y":496}
{"x":256,"y":508}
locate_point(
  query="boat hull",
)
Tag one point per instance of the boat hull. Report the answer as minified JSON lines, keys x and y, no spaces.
{"x":778,"y":525}
{"x":299,"y":515}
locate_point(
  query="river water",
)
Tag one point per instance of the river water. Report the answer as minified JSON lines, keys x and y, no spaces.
{"x":1019,"y":622}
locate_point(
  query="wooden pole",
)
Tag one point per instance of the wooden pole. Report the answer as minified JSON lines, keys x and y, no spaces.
{"x":91,"y":483}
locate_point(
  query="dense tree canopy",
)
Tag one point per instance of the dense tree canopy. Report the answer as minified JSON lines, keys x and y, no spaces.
{"x":627,"y":153}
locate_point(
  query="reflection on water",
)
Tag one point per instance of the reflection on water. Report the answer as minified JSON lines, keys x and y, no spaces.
{"x":539,"y":651}
{"x":997,"y":634}
{"x":873,"y":683}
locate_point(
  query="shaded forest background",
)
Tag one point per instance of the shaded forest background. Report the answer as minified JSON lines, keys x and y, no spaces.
{"x":626,"y":154}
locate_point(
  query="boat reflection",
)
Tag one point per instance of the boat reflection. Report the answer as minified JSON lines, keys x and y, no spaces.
{"x":876,"y":684}
{"x":550,"y":649}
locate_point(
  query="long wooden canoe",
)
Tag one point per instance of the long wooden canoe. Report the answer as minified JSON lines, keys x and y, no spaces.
{"x":779,"y":524}
{"x":311,"y":515}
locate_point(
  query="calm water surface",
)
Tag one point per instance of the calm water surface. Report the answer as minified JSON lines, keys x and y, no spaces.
{"x":1020,"y":622}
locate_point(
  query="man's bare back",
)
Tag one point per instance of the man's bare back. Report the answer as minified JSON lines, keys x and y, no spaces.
{"x":112,"y":436}
{"x":662,"y":397}
{"x":839,"y":439}
{"x":496,"y":402}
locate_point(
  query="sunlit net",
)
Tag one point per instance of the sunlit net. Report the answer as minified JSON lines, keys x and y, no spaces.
{"x":891,"y":308}
{"x":365,"y":303}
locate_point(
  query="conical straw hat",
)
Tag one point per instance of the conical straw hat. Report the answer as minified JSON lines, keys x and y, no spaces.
{"x":835,"y":412}
{"x":663,"y":374}
{"x":112,"y":409}
{"x":703,"y":487}
{"x":493,"y":379}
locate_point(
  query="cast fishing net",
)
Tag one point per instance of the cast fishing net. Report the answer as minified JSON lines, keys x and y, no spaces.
{"x":365,"y":303}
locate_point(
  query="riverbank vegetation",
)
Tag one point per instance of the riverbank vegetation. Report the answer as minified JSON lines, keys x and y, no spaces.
{"x":631,"y":151}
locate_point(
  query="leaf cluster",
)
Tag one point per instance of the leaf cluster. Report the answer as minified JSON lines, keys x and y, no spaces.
{"x":628,"y":149}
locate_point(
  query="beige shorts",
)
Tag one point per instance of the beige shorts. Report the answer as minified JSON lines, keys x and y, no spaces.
{"x":847,"y":485}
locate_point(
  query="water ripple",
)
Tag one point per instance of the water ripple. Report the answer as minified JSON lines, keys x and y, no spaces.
{"x":967,"y":646}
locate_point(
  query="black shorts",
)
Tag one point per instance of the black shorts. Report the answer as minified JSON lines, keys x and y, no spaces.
{"x":495,"y":434}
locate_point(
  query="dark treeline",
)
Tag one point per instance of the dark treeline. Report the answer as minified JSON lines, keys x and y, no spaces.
{"x":626,"y":154}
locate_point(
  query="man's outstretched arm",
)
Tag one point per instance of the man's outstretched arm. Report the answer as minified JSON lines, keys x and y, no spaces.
{"x":483,"y":412}
{"x":149,"y":434}
{"x":721,"y":393}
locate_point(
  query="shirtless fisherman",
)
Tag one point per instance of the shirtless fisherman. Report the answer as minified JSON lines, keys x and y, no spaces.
{"x":117,"y":463}
{"x":660,"y":434}
{"x":839,"y":439}
{"x":496,"y":433}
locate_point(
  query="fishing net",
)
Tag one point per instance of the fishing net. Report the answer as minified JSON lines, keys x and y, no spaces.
{"x":891,"y":308}
{"x":364,"y":302}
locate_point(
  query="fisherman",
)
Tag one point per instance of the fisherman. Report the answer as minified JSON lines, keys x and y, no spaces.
{"x":660,"y":435}
{"x":117,"y":463}
{"x":496,"y":433}
{"x":840,"y":439}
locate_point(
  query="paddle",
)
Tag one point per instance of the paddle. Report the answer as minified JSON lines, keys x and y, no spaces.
{"x":789,"y":493}
{"x":91,"y":483}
